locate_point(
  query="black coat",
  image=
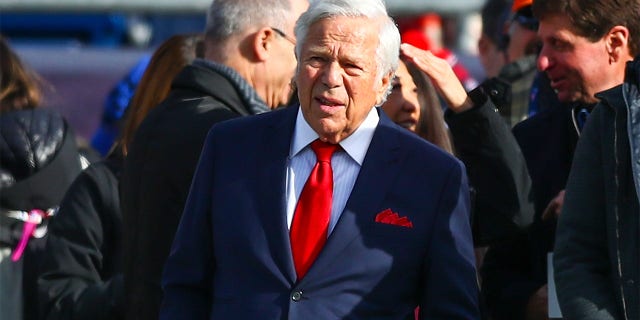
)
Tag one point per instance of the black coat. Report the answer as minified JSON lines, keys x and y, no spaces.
{"x":514,"y":270}
{"x":598,"y":239}
{"x":497,"y":171}
{"x":80,"y":277}
{"x":157,"y":175}
{"x":38,"y":161}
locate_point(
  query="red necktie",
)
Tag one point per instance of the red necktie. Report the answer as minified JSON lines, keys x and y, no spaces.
{"x":311,"y":218}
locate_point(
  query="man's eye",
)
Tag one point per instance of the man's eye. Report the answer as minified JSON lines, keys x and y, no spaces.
{"x":351,"y":66}
{"x":315,"y":61}
{"x":559,"y":45}
{"x":353,"y":69}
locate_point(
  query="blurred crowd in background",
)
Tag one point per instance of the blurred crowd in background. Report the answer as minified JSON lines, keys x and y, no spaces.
{"x":84,"y":56}
{"x":504,"y":86}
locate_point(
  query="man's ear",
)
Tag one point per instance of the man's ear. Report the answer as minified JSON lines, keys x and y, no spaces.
{"x":384,"y":86}
{"x":617,"y":42}
{"x":263,"y":43}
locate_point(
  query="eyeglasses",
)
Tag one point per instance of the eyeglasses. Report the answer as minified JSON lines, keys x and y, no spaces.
{"x":284,"y":35}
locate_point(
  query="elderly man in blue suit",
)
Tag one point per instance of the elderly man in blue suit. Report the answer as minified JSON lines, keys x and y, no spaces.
{"x":327,"y":210}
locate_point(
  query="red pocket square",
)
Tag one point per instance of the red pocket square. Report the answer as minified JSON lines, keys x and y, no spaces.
{"x":389,"y":217}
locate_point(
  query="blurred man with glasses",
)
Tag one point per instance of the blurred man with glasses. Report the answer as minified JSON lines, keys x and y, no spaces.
{"x":510,"y":90}
{"x":247,"y":69}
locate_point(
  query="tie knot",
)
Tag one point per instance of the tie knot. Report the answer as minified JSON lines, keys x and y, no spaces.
{"x":323,"y":150}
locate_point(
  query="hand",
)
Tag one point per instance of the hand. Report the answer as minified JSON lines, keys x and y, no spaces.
{"x":537,"y":307}
{"x":441,"y":74}
{"x":554,"y":208}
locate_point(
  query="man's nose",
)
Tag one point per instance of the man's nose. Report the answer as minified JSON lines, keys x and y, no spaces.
{"x":544,"y":61}
{"x":332,"y":75}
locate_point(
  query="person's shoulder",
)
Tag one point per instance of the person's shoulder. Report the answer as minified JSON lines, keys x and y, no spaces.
{"x":40,"y":119}
{"x":525,"y":67}
{"x":256,"y":122}
{"x":31,"y":129}
{"x":30,"y":139}
{"x":107,"y":169}
{"x":176,"y":108}
{"x":539,"y":120}
{"x":98,"y":176}
{"x":180,"y":120}
{"x":615,"y":99}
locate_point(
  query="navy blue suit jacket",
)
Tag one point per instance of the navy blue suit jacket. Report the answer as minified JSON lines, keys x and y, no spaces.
{"x":231,"y":257}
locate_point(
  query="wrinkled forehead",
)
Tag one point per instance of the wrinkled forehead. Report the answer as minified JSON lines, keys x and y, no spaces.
{"x":343,"y":35}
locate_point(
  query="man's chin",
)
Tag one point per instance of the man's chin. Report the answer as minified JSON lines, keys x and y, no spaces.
{"x":566,"y":96}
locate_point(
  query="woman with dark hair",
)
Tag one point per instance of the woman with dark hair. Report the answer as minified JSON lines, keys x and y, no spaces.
{"x":431,"y":125}
{"x":484,"y":143}
{"x":38,"y":161}
{"x":19,"y":86}
{"x":81,"y":277}
{"x":166,"y":62}
{"x":501,"y":207}
{"x":414,"y":104}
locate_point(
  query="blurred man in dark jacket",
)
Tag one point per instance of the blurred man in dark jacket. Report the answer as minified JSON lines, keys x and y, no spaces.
{"x":597,"y":246}
{"x":248,"y":66}
{"x":585,"y":47}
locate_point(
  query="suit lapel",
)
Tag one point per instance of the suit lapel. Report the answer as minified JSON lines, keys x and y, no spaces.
{"x":380,"y":166}
{"x":272,"y":188}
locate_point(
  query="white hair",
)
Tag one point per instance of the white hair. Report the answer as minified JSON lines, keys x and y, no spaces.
{"x":388,"y":49}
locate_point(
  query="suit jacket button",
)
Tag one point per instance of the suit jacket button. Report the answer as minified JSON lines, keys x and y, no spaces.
{"x":296,"y":296}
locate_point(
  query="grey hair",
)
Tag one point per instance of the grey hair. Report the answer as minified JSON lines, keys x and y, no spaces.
{"x":228,"y":17}
{"x":388,"y":51}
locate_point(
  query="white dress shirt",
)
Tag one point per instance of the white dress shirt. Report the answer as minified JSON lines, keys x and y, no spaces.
{"x":345,"y":164}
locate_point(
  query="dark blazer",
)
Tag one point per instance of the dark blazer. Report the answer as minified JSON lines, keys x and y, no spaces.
{"x":231,"y":258}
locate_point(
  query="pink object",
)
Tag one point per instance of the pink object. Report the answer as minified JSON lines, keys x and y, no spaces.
{"x":35,"y":218}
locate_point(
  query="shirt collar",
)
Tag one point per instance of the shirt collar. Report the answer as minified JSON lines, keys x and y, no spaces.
{"x":355,"y":145}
